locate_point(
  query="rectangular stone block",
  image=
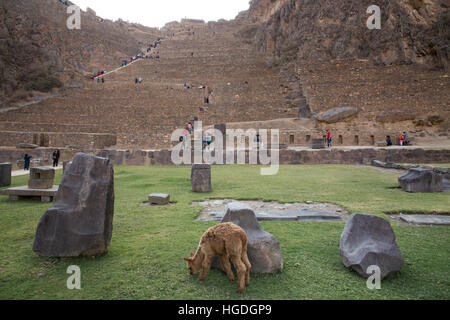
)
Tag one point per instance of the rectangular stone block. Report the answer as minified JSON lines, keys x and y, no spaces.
{"x":5,"y":174}
{"x":317,"y":144}
{"x":201,"y":177}
{"x":159,"y":198}
{"x":41,"y":178}
{"x":40,"y":183}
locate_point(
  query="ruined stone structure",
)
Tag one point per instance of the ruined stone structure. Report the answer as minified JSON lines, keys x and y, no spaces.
{"x":41,"y":178}
{"x":245,"y":72}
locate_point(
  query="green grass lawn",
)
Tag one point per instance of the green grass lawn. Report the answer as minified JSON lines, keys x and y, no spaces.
{"x":145,"y":258}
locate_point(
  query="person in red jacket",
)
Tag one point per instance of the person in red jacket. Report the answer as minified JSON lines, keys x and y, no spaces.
{"x":329,"y":138}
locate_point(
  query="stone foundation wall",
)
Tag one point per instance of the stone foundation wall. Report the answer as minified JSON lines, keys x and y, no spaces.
{"x":41,"y":156}
{"x":328,"y":156}
{"x":163,"y":157}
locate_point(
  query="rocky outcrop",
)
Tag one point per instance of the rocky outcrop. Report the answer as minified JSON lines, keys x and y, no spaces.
{"x":394,"y":116}
{"x":38,"y":51}
{"x":370,"y":241}
{"x":80,"y":221}
{"x":263,"y":248}
{"x":411,"y":32}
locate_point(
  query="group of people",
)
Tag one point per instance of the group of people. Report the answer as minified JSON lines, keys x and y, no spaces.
{"x":138,"y":80}
{"x":98,"y":74}
{"x":403,"y":140}
{"x":27,"y":159}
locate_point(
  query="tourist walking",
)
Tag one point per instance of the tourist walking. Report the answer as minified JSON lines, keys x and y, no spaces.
{"x":55,"y":158}
{"x":329,"y":138}
{"x":405,"y":136}
{"x":26,"y":163}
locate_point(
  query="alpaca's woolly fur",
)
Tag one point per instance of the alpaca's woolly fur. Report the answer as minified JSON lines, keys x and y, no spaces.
{"x":228,"y":241}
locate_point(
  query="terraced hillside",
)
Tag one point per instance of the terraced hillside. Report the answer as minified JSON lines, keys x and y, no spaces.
{"x":143,"y":116}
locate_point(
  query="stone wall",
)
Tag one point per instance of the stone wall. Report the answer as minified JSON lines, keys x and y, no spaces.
{"x":287,"y":156}
{"x":329,"y":156}
{"x":58,"y":139}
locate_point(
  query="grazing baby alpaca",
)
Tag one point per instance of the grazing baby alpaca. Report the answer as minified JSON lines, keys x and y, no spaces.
{"x":228,"y":241}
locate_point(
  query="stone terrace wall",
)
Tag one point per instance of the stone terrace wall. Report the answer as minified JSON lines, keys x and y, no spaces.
{"x":333,"y":156}
{"x":59,"y":140}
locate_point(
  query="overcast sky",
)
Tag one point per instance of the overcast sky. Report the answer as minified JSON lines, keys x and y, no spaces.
{"x":156,"y":13}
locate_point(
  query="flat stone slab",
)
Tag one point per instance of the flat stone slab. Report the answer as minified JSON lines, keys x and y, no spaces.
{"x":433,"y":220}
{"x":18,"y":193}
{"x":273,"y":211}
{"x":159,"y":198}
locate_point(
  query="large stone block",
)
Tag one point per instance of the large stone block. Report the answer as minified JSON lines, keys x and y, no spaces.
{"x":201,"y":177}
{"x":80,"y":222}
{"x":5,"y":174}
{"x":41,"y":178}
{"x":369,"y":240}
{"x":421,"y":180}
{"x":317,"y":144}
{"x":263,"y":248}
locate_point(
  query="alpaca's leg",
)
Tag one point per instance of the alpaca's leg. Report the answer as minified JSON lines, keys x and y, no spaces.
{"x":205,"y":265}
{"x":248,"y":267}
{"x":227,"y":267}
{"x":240,"y":268}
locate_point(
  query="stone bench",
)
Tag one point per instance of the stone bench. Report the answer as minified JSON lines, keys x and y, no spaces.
{"x":24,"y":192}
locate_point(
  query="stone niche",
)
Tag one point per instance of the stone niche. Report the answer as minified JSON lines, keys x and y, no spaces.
{"x":80,"y":222}
{"x":41,"y":178}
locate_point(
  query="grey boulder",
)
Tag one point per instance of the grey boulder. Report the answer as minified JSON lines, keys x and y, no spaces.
{"x":263,"y":249}
{"x":421,"y":180}
{"x":80,"y":221}
{"x":338,"y":114}
{"x":369,"y":240}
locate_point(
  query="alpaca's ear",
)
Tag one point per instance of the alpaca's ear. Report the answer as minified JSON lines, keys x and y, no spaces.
{"x":192,"y":253}
{"x":187,"y":259}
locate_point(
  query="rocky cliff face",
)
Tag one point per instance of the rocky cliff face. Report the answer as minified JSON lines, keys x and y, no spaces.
{"x":38,"y":51}
{"x":412,"y":31}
